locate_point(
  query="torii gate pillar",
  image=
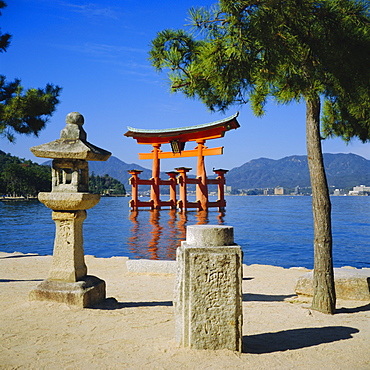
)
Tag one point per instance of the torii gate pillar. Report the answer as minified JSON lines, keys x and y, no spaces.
{"x":202,"y":188}
{"x":154,"y":193}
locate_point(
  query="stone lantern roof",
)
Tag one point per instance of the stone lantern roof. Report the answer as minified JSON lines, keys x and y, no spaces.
{"x":72,"y":143}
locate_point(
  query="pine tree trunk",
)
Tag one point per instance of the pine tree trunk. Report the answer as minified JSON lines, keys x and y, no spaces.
{"x":323,"y":278}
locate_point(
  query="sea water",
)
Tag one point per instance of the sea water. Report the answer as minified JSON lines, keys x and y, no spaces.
{"x":273,"y":230}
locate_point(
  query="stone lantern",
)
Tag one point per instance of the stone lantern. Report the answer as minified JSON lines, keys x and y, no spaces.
{"x":69,"y":198}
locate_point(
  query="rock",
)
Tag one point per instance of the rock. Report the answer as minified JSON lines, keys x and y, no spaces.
{"x":350,"y":284}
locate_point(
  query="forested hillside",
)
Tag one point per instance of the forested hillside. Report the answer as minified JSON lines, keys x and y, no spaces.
{"x":105,"y":185}
{"x":20,"y":177}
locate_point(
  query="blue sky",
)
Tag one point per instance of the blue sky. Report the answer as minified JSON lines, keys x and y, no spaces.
{"x":97,"y":51}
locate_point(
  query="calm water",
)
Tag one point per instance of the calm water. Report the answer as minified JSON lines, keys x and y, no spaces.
{"x":271,"y":230}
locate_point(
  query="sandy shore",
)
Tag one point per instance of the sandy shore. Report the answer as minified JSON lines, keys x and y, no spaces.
{"x":280,"y":331}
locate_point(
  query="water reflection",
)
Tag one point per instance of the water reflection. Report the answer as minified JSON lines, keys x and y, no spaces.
{"x":156,"y":234}
{"x":271,"y":230}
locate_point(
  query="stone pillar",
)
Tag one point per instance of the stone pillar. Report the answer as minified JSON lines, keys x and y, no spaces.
{"x":208,"y":291}
{"x":68,"y":257}
{"x":68,"y":281}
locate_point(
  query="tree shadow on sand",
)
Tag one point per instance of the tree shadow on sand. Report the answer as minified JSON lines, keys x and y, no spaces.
{"x":353,"y":309}
{"x":20,"y":256}
{"x":295,"y":339}
{"x":265,"y":297}
{"x":12,"y":280}
{"x":112,"y":304}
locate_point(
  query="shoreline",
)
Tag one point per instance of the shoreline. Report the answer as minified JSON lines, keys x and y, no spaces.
{"x":136,"y":329}
{"x":174,"y":261}
{"x":16,"y":199}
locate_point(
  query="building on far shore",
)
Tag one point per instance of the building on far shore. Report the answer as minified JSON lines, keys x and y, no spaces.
{"x":279,"y":190}
{"x":297,"y":190}
{"x":227,"y":189}
{"x":338,"y":192}
{"x":360,"y":190}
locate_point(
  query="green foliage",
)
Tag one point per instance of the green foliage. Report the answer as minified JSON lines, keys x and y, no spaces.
{"x":254,"y":192}
{"x":20,"y":177}
{"x":23,"y":177}
{"x":23,"y":111}
{"x":4,"y":37}
{"x":247,"y":51}
{"x":105,"y":185}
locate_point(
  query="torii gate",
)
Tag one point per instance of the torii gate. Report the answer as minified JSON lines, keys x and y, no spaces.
{"x":177,"y":138}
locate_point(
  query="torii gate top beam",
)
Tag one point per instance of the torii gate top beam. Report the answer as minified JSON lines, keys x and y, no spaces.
{"x":213,"y":130}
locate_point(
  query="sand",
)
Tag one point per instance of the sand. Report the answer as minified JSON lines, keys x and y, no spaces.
{"x":279,"y":331}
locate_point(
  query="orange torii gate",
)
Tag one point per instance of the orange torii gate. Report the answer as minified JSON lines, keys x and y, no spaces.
{"x":177,"y":138}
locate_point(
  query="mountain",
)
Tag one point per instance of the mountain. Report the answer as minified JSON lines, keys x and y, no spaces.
{"x":117,"y":169}
{"x":342,"y":171}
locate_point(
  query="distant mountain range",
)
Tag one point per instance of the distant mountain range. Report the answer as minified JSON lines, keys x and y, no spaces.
{"x":117,"y":169}
{"x":342,"y":170}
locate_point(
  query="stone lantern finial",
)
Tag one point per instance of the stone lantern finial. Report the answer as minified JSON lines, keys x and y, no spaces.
{"x":73,"y":129}
{"x":76,"y":118}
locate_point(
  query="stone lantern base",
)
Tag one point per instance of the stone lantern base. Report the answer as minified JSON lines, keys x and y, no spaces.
{"x":68,"y":281}
{"x":86,"y":292}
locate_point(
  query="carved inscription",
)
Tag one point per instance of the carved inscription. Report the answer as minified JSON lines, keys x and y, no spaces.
{"x":65,"y":232}
{"x":212,"y":300}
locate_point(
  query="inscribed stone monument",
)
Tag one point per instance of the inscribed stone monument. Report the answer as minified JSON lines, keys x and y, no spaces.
{"x":208,"y":292}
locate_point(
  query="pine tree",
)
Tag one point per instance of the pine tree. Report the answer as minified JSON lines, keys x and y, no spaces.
{"x":294,"y":50}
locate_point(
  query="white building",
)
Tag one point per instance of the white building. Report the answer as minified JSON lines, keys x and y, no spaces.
{"x":338,"y":192}
{"x":360,"y":190}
